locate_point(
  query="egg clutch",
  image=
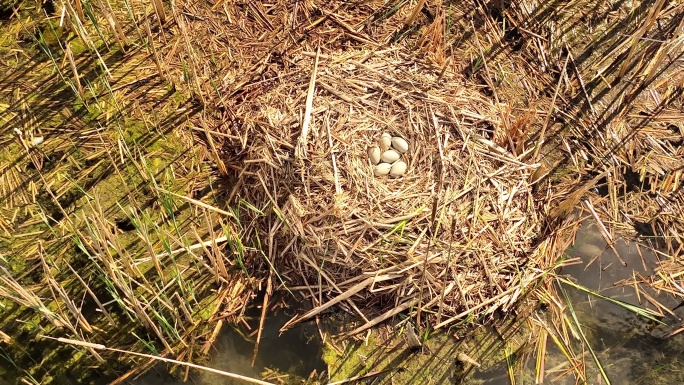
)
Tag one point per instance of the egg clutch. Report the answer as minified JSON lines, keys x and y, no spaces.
{"x":386,"y":156}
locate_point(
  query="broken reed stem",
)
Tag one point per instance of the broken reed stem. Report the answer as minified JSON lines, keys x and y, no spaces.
{"x":636,"y":37}
{"x":153,"y":48}
{"x":159,"y":10}
{"x":264,"y":309}
{"x":433,"y":214}
{"x":389,"y":314}
{"x":552,"y":106}
{"x":541,"y":356}
{"x":77,"y":25}
{"x":300,"y":150}
{"x":114,"y":24}
{"x":414,"y":13}
{"x":157,"y":358}
{"x":93,"y":296}
{"x":192,"y":56}
{"x":54,"y":286}
{"x":663,"y":52}
{"x":367,"y":377}
{"x":425,"y":260}
{"x":77,"y":79}
{"x":12,"y":290}
{"x":79,"y":9}
{"x":198,"y":203}
{"x":573,"y":198}
{"x":477,"y":307}
{"x":447,"y":270}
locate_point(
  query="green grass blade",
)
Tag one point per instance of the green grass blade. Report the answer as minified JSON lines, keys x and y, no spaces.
{"x":649,"y":314}
{"x":583,"y":336}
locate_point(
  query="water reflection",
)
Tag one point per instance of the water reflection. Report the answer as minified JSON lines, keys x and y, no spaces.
{"x":297,"y":352}
{"x":631,"y":348}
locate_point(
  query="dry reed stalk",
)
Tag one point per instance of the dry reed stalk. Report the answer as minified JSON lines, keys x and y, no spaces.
{"x":581,"y":82}
{"x":569,"y":203}
{"x":62,"y":294}
{"x":264,"y":310}
{"x":153,"y":49}
{"x":361,"y":377}
{"x":657,"y":61}
{"x":79,"y":9}
{"x":192,"y":56}
{"x":215,"y":264}
{"x":125,"y":283}
{"x":641,"y":31}
{"x":12,"y":290}
{"x":159,"y":11}
{"x":91,"y":345}
{"x":552,"y":106}
{"x":342,"y":297}
{"x":143,"y":234}
{"x":410,"y":302}
{"x":432,"y":40}
{"x":300,"y":150}
{"x":198,"y":203}
{"x":184,"y":308}
{"x":108,"y":13}
{"x":5,"y":338}
{"x":74,"y":70}
{"x":82,"y":33}
{"x":414,"y":13}
{"x":541,"y":356}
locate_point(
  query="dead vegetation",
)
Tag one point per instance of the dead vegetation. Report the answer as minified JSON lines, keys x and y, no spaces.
{"x":456,"y":236}
{"x":518,"y":115}
{"x":514,"y":117}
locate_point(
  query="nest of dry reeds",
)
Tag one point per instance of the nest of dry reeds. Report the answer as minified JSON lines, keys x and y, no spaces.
{"x":292,"y":122}
{"x":294,"y":93}
{"x":453,"y":234}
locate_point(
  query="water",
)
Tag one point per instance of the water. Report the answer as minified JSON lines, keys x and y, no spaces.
{"x":297,"y":351}
{"x":631,"y":349}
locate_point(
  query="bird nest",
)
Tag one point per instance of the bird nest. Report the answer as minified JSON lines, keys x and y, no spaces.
{"x":292,"y":120}
{"x":452,"y":235}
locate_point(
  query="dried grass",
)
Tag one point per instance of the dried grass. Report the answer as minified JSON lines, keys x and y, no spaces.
{"x":302,"y":91}
{"x":456,"y":235}
{"x":518,"y":113}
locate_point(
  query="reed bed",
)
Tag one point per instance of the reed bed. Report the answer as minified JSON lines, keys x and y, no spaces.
{"x":108,"y":229}
{"x":518,"y":116}
{"x":626,"y":138}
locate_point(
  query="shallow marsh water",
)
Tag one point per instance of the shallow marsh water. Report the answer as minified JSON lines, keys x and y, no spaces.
{"x":631,"y":349}
{"x":297,"y":352}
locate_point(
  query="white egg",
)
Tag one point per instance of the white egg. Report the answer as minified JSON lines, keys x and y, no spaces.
{"x":400,"y":144}
{"x":398,"y":168}
{"x":374,"y":154}
{"x":385,"y":141}
{"x":382,"y":169}
{"x":390,"y":156}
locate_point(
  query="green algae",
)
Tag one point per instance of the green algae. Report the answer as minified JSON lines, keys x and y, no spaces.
{"x":86,"y":174}
{"x":440,"y":360}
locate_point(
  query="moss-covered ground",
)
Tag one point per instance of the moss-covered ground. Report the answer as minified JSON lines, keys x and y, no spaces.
{"x":90,"y":188}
